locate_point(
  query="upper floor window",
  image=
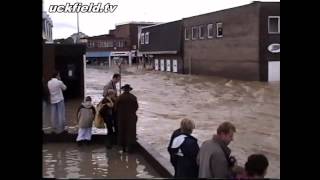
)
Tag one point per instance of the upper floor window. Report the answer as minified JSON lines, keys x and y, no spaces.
{"x":142,"y":38}
{"x":186,"y":33}
{"x":104,"y":43}
{"x":201,"y":32}
{"x":195,"y":32}
{"x":210,"y":30}
{"x":100,"y":44}
{"x":91,"y":44}
{"x":146,"y":38}
{"x":121,"y":44}
{"x":274,"y":24}
{"x":219,"y":30}
{"x":109,"y":43}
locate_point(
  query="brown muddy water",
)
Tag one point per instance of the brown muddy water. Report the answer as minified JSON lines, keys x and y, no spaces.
{"x":66,"y":160}
{"x":164,"y":98}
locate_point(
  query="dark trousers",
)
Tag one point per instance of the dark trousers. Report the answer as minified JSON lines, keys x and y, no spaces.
{"x":110,"y":140}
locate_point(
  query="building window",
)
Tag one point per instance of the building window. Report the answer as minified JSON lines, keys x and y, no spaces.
{"x":186,"y":33}
{"x":195,"y":33}
{"x":142,"y":38}
{"x":201,"y":32}
{"x":219,"y":30}
{"x":100,"y":44}
{"x":105,"y":44}
{"x":274,"y":24}
{"x":120,"y":43}
{"x":91,"y":44}
{"x":146,"y":38}
{"x":109,"y":43}
{"x":210,"y":30}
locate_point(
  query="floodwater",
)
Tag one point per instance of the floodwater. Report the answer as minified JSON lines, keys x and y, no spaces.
{"x":66,"y":160}
{"x":164,"y":98}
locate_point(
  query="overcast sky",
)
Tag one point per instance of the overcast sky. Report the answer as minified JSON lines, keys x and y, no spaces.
{"x":65,"y":24}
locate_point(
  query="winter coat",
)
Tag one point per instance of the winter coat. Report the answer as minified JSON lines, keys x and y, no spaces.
{"x":184,"y":150}
{"x":106,"y":109}
{"x":126,"y":107}
{"x":176,"y":133}
{"x":212,"y":160}
{"x":86,"y":113}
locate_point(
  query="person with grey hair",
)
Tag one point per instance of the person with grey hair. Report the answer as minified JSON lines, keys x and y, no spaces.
{"x":183,"y":149}
{"x":214,"y":156}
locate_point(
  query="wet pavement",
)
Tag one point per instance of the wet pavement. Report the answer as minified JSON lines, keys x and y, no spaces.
{"x":67,"y":160}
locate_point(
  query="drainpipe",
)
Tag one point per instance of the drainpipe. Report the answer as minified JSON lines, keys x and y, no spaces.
{"x":190,"y":59}
{"x":120,"y":78}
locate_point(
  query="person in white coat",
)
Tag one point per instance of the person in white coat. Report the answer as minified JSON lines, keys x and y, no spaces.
{"x":58,"y":119}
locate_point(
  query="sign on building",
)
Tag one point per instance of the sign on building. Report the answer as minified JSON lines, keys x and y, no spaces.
{"x":168,"y":65}
{"x":156,"y":64}
{"x":162,"y":64}
{"x":174,"y":65}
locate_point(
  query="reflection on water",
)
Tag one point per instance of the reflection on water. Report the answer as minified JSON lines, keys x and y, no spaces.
{"x":66,"y":160}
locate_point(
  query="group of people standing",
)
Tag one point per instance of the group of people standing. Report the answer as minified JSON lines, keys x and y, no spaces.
{"x":213,"y":159}
{"x":118,"y":112}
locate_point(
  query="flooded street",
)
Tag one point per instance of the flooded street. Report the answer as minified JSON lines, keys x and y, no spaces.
{"x":66,"y":160}
{"x":164,"y":98}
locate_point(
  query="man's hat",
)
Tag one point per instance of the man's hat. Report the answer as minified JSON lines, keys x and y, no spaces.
{"x":126,"y":87}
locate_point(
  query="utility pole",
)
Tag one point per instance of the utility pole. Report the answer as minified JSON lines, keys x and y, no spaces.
{"x":78,"y":37}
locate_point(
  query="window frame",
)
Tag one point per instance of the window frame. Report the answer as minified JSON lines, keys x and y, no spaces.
{"x":196,"y":29}
{"x":210,"y":37}
{"x":185,"y":34}
{"x":269,"y":17}
{"x":145,"y":38}
{"x":142,"y":38}
{"x":201,"y":31}
{"x":217,"y":29}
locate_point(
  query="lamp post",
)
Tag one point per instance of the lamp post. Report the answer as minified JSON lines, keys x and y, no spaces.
{"x":78,"y":36}
{"x":119,"y":64}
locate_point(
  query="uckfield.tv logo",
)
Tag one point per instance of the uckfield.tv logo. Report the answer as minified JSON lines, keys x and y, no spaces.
{"x":83,"y":8}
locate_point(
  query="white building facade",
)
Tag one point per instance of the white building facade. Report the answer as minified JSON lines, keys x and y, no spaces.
{"x":46,"y":28}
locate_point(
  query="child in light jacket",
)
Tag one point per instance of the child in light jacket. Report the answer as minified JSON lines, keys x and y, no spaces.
{"x":85,"y":116}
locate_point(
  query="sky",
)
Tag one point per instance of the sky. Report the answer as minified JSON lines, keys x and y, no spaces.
{"x":92,"y":24}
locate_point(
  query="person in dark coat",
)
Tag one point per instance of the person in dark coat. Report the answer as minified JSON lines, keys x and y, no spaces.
{"x":126,"y":108}
{"x":183,"y":149}
{"x":173,"y":160}
{"x":106,"y":113}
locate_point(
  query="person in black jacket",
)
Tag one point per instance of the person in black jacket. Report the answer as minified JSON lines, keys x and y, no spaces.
{"x":183,"y":149}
